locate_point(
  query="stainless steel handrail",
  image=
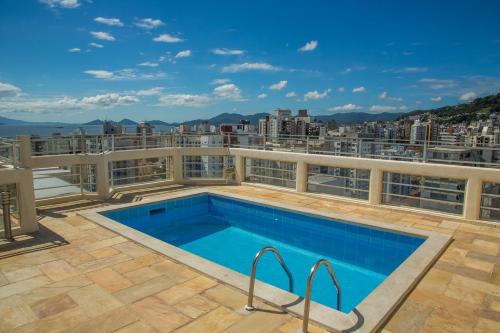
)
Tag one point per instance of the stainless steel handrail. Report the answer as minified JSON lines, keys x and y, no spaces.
{"x":307,"y":301}
{"x":249,"y":306}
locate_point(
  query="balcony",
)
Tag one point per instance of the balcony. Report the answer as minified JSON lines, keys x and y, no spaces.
{"x":76,"y":275}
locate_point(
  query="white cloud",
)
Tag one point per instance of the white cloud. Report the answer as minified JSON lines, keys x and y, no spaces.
{"x":148,"y":64}
{"x":413,"y":70}
{"x":220,"y":81}
{"x":437,"y":84}
{"x":315,"y":95}
{"x":436,"y":99}
{"x":124,"y":75}
{"x":109,"y":21}
{"x":109,"y":100}
{"x":353,"y":69}
{"x":291,"y":94}
{"x":100,"y":74}
{"x":102,"y":36}
{"x":149,"y":23}
{"x":74,"y":50}
{"x":359,"y":89}
{"x":309,"y":46}
{"x":183,"y":54}
{"x":187,"y":100}
{"x":167,"y":38}
{"x":261,"y":96}
{"x":255,"y":66}
{"x":9,"y":90}
{"x":403,"y":108}
{"x":69,"y":4}
{"x":228,"y":91}
{"x":384,"y":96}
{"x":60,"y":104}
{"x":99,"y":46}
{"x":150,"y":92}
{"x":345,"y":108}
{"x":382,"y":108}
{"x":468,"y":96}
{"x":224,"y":51}
{"x":341,"y":89}
{"x":278,"y":86}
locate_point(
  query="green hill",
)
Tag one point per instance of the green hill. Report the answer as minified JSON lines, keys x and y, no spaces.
{"x":480,"y":108}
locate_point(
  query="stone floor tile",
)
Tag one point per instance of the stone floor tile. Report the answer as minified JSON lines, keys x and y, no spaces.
{"x":103,"y":243}
{"x":3,"y":280}
{"x":294,"y":325}
{"x":103,"y":262}
{"x":104,"y":252}
{"x":157,"y":314}
{"x":52,"y":305}
{"x":147,"y":288}
{"x":23,"y":286}
{"x":136,"y":263}
{"x":109,"y":279}
{"x":215,"y":321}
{"x":21,"y":273}
{"x":479,"y":264}
{"x":58,"y":270}
{"x":137,"y":327}
{"x":227,"y":296}
{"x":195,"y":306}
{"x":63,"y":321}
{"x":259,"y":322}
{"x":174,"y":271}
{"x":56,"y":288}
{"x":186,"y":290}
{"x":73,"y":255}
{"x":109,"y":321}
{"x":132,"y":249}
{"x":142,"y":274}
{"x":94,"y":300}
{"x":410,"y":317}
{"x":487,"y":326}
{"x":14,"y":312}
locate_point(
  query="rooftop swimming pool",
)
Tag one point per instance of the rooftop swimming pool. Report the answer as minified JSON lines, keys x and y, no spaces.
{"x":231,"y":231}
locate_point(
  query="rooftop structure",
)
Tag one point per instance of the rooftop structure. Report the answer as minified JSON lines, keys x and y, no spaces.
{"x":74,"y":274}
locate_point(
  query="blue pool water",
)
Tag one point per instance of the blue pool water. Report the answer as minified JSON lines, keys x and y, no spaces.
{"x":230,"y":232}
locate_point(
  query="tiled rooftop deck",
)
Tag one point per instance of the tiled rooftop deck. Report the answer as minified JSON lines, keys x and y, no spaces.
{"x":76,"y":276}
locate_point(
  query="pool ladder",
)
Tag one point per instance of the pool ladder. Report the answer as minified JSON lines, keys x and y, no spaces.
{"x":249,"y":306}
{"x":310,"y":279}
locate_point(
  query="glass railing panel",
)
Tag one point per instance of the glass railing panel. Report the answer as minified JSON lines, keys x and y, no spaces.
{"x":490,"y":201}
{"x":346,"y":182}
{"x":276,"y":173}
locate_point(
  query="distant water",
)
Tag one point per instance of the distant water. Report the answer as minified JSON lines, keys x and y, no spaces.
{"x":44,"y":130}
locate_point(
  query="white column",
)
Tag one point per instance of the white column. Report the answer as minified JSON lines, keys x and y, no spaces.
{"x":472,"y":200}
{"x":301,"y":179}
{"x":102,"y":177}
{"x":24,"y":150}
{"x":26,"y":197}
{"x":376,"y":185}
{"x":239,"y":165}
{"x":177,"y":165}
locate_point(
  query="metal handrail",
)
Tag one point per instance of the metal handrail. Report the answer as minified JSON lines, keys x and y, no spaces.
{"x":307,"y":301}
{"x":249,"y":306}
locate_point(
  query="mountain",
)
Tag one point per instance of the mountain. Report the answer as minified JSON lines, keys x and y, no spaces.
{"x":94,"y":122}
{"x":358,"y":117}
{"x":8,"y":121}
{"x":480,"y":108}
{"x":125,"y":122}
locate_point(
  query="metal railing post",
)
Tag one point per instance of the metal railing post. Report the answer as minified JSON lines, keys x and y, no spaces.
{"x":7,"y":228}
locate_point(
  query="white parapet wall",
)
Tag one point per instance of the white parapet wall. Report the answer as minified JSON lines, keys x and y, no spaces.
{"x":473,"y":176}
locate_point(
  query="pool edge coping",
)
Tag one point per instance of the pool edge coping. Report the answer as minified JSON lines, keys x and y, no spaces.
{"x":367,"y":316}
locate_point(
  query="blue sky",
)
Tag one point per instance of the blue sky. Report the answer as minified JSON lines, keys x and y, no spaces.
{"x":77,"y":60}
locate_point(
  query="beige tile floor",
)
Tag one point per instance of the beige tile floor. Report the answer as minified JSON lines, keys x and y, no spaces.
{"x":75,"y":276}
